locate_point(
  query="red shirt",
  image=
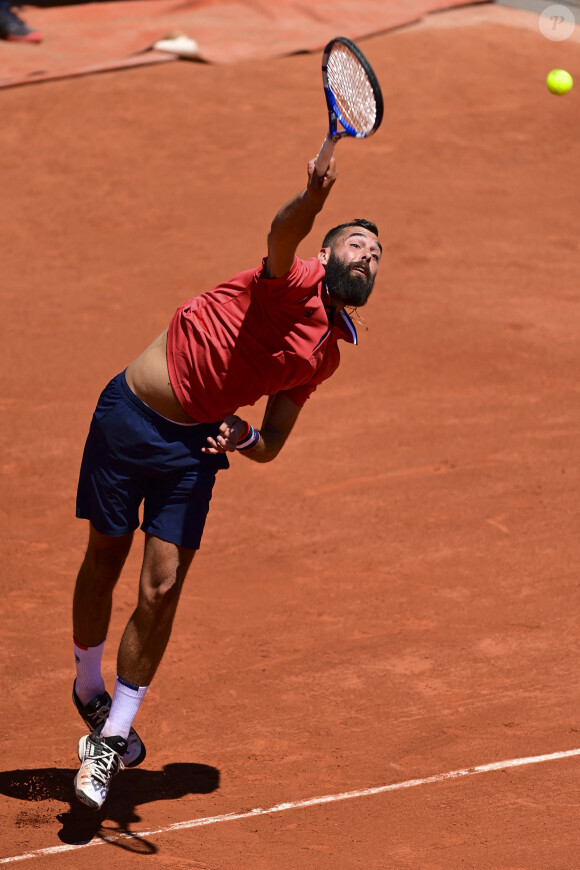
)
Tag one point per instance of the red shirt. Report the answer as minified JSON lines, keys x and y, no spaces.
{"x":254,"y":336}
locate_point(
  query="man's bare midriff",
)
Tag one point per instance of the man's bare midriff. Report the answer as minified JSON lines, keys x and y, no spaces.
{"x":148,"y":377}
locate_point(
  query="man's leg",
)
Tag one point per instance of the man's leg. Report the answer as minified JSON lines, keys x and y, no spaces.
{"x":93,"y":596}
{"x":144,"y":641}
{"x":147,"y":633}
{"x":164,"y":569}
{"x":96,"y":580}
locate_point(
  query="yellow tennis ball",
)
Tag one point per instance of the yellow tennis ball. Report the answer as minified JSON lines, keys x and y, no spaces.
{"x":559,"y":81}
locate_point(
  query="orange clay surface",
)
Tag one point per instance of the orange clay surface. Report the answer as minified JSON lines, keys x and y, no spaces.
{"x":396,"y":596}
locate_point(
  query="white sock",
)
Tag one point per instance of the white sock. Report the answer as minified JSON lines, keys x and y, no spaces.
{"x":89,"y":682}
{"x":126,"y":702}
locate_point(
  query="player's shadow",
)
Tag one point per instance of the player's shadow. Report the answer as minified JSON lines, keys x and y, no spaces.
{"x":128,"y":791}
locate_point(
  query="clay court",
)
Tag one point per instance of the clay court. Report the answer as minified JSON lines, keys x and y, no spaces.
{"x":395,"y":599}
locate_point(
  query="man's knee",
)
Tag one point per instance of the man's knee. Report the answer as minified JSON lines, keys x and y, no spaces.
{"x":164,"y":569}
{"x":160,"y":594}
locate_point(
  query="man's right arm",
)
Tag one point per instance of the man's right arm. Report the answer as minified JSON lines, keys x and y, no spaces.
{"x":296,"y":218}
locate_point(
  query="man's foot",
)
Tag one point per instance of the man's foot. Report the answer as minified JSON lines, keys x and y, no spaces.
{"x":95,"y":713}
{"x":101,"y":758}
{"x":15,"y":29}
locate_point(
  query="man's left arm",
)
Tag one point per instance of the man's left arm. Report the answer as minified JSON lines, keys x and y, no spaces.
{"x":279,"y":417}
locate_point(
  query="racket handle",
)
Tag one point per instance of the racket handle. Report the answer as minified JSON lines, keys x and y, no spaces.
{"x":323,"y":159}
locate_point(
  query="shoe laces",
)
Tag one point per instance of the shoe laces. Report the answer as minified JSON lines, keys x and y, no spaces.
{"x":100,"y":716}
{"x":104,"y":763}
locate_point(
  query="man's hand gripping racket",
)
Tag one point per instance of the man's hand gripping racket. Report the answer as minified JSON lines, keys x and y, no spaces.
{"x":353,"y":96}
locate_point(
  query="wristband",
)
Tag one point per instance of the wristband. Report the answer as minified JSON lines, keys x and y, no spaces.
{"x":249,"y":440}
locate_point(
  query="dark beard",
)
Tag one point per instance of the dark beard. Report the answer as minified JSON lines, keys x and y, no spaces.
{"x":345,"y":286}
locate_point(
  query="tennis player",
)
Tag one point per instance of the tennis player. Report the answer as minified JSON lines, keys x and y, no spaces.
{"x":163,"y":428}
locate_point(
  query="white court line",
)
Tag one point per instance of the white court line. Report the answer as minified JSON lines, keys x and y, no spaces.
{"x":295,"y":805}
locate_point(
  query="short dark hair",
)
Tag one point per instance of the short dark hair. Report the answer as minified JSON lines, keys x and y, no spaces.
{"x":332,"y":234}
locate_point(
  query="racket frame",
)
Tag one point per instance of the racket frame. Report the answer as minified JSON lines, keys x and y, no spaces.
{"x":334,"y":115}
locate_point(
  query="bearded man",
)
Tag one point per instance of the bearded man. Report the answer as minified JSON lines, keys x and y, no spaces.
{"x":163,"y":428}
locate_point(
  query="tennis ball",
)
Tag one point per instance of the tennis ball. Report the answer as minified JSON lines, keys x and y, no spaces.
{"x":559,"y":81}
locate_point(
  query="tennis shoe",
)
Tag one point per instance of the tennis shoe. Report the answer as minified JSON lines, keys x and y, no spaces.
{"x":15,"y":29}
{"x":101,"y":758}
{"x":95,"y":714}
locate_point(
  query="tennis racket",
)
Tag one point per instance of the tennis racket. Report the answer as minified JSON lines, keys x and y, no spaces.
{"x":353,"y":96}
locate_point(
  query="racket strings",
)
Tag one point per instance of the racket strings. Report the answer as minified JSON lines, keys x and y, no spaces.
{"x":352,"y":90}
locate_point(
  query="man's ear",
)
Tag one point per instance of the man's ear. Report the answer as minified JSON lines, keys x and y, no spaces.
{"x":323,"y":255}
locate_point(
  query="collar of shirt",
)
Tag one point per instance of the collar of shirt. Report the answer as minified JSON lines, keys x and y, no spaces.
{"x":343,"y":322}
{"x":347,"y":327}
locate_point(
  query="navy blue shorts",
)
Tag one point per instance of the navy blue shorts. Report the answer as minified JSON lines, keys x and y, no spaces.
{"x":134,"y":456}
